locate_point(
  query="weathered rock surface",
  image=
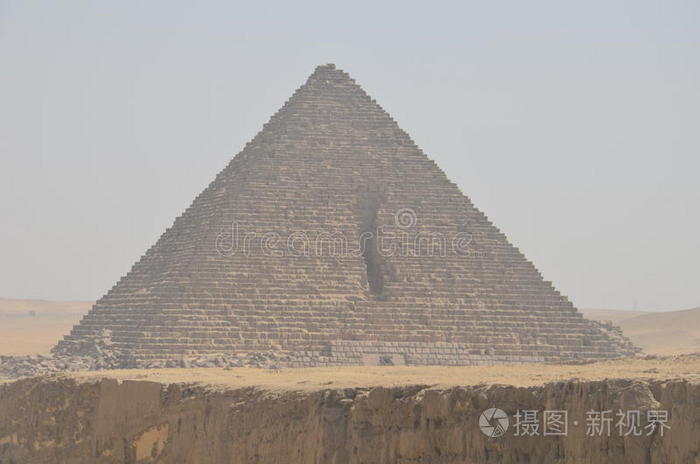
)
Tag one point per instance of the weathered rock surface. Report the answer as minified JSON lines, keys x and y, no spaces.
{"x":62,"y":420}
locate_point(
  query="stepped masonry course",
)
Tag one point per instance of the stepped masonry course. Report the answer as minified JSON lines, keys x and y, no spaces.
{"x":332,"y":239}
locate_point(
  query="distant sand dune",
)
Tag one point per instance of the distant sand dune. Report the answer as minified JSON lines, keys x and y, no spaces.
{"x":16,"y":307}
{"x":613,"y":315}
{"x":34,"y":326}
{"x":662,"y":333}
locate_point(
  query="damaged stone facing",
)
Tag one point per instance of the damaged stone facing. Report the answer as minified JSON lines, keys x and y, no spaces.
{"x":60,"y":419}
{"x":99,"y":353}
{"x":14,"y":367}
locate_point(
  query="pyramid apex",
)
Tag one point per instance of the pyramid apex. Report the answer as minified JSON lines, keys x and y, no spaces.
{"x":325,"y":73}
{"x":329,"y":71}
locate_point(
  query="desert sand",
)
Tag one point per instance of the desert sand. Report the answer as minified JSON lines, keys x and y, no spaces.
{"x":34,"y":326}
{"x":314,"y":379}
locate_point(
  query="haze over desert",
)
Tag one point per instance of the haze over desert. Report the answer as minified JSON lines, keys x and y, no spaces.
{"x":349,"y":233}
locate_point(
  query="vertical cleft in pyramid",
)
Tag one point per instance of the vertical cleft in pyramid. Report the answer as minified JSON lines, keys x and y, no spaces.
{"x":332,"y":239}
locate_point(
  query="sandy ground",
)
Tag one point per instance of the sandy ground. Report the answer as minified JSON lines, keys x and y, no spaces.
{"x":34,"y":326}
{"x":32,"y":336}
{"x":312,"y":379}
{"x":613,"y":315}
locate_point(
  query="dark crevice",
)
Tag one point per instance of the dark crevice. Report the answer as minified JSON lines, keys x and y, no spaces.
{"x":368,"y":237}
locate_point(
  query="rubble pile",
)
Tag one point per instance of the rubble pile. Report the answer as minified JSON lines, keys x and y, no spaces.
{"x":99,"y":353}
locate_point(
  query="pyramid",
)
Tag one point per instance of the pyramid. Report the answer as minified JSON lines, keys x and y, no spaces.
{"x":332,"y":239}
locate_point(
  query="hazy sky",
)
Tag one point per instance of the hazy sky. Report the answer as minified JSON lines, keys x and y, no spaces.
{"x":575,"y":126}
